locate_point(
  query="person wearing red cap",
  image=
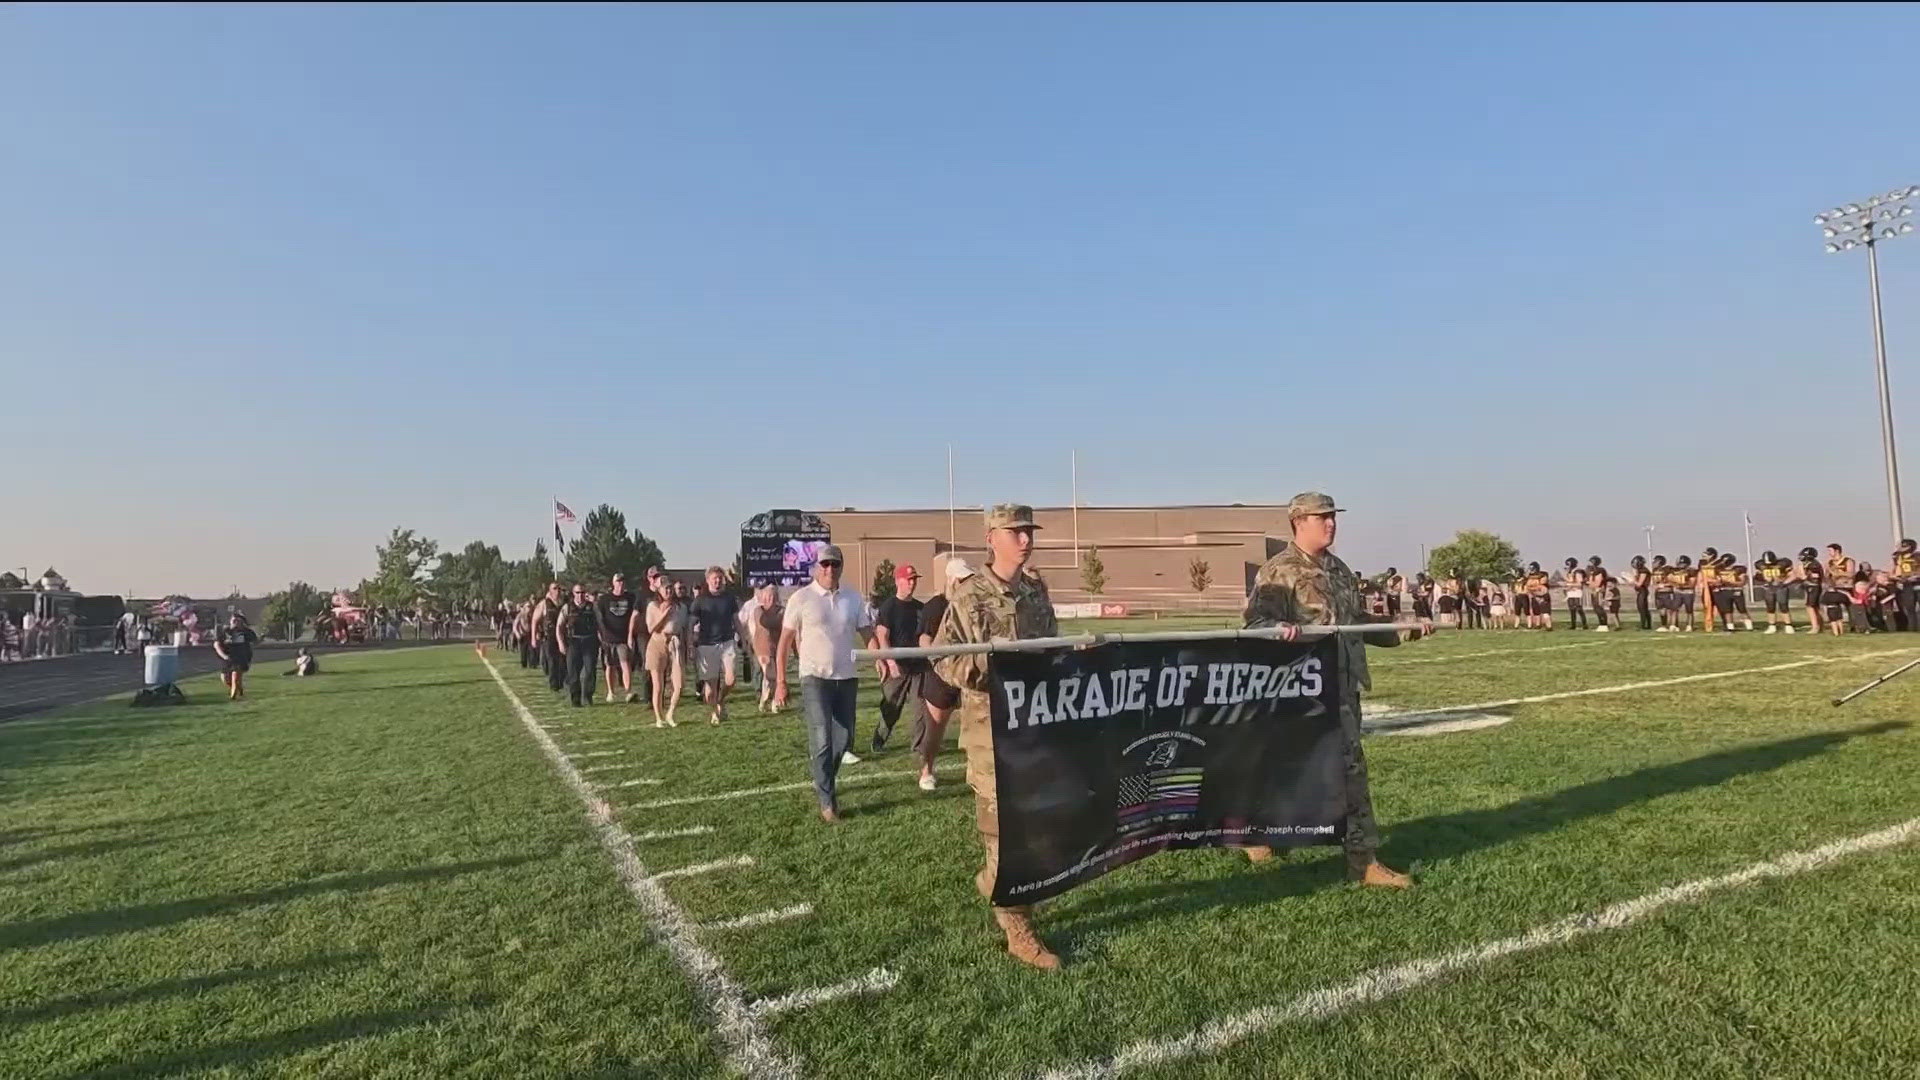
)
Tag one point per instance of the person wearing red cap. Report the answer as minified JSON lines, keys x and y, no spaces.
{"x":896,"y":625}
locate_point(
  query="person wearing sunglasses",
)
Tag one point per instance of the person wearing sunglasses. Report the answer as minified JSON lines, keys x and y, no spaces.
{"x":821,"y":622}
{"x":577,"y":635}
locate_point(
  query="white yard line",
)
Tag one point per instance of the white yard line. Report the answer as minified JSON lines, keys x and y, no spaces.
{"x":673,"y":834}
{"x":642,"y":781}
{"x":773,"y":789}
{"x":612,"y":767}
{"x":761,"y":918}
{"x":596,"y":753}
{"x":735,"y":863}
{"x":1481,"y":706}
{"x":1397,"y":662}
{"x":873,"y":982}
{"x":1385,"y":982}
{"x":751,"y":1047}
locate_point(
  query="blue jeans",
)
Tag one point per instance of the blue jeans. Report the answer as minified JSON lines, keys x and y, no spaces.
{"x":828,"y":707}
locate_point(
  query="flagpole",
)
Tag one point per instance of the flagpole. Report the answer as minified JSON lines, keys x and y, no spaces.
{"x":1074,"y":465}
{"x":1748,"y":522}
{"x":953,"y":531}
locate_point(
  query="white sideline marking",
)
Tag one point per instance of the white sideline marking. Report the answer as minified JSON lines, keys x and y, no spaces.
{"x":597,"y":753}
{"x":735,"y":863}
{"x":1386,"y":662}
{"x":751,"y":1047}
{"x":761,"y":918}
{"x":639,"y":782}
{"x":1384,"y":982}
{"x":1473,"y":722}
{"x":1481,"y":706}
{"x":674,"y":834}
{"x":771,"y":789}
{"x":873,"y":982}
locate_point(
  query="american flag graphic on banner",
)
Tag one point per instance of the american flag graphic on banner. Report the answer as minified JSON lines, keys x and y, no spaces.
{"x":1158,"y":789}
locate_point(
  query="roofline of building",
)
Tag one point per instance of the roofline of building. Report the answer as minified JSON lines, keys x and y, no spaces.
{"x":1279,"y":507}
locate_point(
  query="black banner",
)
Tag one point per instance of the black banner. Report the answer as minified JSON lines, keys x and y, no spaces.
{"x":1109,"y":754}
{"x":780,"y":547}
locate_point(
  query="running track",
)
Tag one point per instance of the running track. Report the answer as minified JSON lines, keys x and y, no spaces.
{"x":37,"y":685}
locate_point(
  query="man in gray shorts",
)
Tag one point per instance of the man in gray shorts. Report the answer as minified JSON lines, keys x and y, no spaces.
{"x":619,"y":612}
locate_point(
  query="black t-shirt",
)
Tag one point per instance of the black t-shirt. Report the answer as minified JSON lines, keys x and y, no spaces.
{"x":615,"y":611}
{"x":902,"y":620}
{"x":714,"y":618}
{"x":238,"y":641}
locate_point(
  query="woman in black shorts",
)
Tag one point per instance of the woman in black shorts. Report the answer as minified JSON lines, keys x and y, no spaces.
{"x":233,"y":644}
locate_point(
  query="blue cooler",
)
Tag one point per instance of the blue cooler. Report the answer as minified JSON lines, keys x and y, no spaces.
{"x":163,"y":664}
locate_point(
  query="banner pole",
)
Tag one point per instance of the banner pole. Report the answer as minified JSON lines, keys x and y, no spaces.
{"x":1086,"y":640}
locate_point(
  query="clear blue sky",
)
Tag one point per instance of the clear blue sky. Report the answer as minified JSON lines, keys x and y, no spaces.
{"x":328,"y":270}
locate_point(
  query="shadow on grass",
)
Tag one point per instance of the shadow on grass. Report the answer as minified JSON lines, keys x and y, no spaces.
{"x":1446,"y":836}
{"x":41,"y":832}
{"x":364,"y":688}
{"x":87,"y":850}
{"x":1451,"y":835}
{"x":185,"y":987}
{"x":240,"y":1053}
{"x":37,"y":932}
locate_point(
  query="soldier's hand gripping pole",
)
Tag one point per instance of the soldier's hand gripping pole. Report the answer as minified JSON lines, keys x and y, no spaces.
{"x":1901,"y":670}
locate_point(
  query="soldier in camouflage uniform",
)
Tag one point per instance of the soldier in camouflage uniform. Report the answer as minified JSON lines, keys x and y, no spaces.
{"x":1002,"y":601}
{"x":1308,"y":584}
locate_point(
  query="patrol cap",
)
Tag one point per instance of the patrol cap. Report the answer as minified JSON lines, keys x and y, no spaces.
{"x":1311,"y":502}
{"x":831,"y":553}
{"x":1010,"y":516}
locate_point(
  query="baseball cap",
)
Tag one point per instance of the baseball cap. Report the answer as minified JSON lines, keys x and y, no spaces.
{"x":1010,"y":516}
{"x":957,"y":568}
{"x":1311,"y":502}
{"x":905,"y":570}
{"x":831,"y":553}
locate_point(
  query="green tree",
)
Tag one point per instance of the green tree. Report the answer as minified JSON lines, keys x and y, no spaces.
{"x":883,"y":588}
{"x":524,"y":577}
{"x":1473,"y":555}
{"x":290,"y":610}
{"x":473,"y":577}
{"x":1199,"y":574}
{"x":401,"y":565}
{"x":606,"y":548}
{"x":1093,"y":572}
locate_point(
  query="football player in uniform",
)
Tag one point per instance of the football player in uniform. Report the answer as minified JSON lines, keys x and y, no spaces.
{"x":1906,"y":583}
{"x":1730,"y":582}
{"x":1812,"y":578}
{"x":1573,"y":581}
{"x":1539,"y":599}
{"x":1773,"y":573}
{"x":1684,"y":586}
{"x":1663,"y":595}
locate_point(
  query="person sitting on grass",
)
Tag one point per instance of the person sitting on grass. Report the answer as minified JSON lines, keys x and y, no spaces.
{"x":303,"y":664}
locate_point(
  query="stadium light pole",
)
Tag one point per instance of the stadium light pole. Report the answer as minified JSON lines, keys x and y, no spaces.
{"x":1865,"y":224}
{"x":1648,"y":529}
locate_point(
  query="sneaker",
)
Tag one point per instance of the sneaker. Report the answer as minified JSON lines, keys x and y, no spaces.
{"x":927,"y":782}
{"x":849,"y":758}
{"x":660,"y":724}
{"x":878,"y":744}
{"x":632,"y":698}
{"x":1771,"y":630}
{"x":1601,"y":629}
{"x":1789,"y":628}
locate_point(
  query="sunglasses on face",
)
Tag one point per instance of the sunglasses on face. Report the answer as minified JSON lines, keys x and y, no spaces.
{"x":830,"y":564}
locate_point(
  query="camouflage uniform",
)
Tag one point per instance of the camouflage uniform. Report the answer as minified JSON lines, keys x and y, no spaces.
{"x":982,"y":607}
{"x":1297,"y":588}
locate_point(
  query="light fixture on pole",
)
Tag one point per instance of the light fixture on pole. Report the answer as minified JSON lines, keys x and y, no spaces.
{"x":1648,"y":529}
{"x":1865,"y":224}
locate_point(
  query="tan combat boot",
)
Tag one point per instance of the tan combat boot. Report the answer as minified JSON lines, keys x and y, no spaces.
{"x":1022,"y":943}
{"x":1379,"y":875}
{"x":1257,"y":854}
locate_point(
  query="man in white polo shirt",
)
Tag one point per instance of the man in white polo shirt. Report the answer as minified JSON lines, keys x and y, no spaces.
{"x":823,"y":619}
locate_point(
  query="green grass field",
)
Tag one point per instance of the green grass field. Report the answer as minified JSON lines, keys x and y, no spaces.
{"x":380,"y":873}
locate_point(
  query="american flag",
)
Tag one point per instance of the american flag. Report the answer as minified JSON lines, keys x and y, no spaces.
{"x":1152,"y":793}
{"x":561,"y":515}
